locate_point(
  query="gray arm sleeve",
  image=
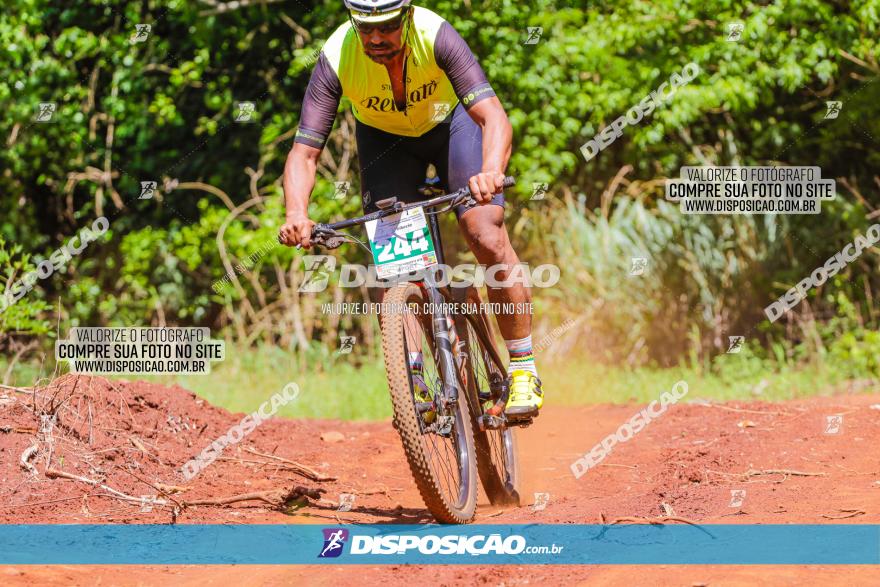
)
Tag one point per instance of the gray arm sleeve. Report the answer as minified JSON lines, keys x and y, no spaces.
{"x":455,"y":58}
{"x":319,"y":105}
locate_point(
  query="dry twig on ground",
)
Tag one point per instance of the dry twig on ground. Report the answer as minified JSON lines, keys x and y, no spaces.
{"x":297,"y":467}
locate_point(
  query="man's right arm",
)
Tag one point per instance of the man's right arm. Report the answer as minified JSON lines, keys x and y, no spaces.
{"x":319,"y":108}
{"x":299,"y":180}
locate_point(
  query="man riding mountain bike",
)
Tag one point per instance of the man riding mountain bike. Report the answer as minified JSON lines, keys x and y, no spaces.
{"x":419,"y":97}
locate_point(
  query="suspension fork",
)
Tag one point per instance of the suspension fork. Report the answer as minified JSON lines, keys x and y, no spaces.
{"x":445,"y":337}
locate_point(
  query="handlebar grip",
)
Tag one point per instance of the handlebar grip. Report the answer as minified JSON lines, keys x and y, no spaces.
{"x":509,"y":181}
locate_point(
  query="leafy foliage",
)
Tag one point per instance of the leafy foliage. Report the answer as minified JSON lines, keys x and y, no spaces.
{"x":163,"y":110}
{"x":25,"y":316}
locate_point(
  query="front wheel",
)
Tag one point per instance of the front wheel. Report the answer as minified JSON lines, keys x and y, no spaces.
{"x":438,"y":440}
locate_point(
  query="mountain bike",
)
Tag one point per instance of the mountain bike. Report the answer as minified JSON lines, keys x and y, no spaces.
{"x":454,"y":429}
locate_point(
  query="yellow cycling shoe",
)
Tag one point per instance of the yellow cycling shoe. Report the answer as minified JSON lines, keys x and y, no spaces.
{"x":526,"y":396}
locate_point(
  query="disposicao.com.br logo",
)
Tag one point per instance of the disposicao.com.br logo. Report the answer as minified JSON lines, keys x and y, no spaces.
{"x":454,"y":544}
{"x":334,"y":541}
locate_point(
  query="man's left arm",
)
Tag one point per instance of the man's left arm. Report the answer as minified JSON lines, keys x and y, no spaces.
{"x":497,"y":136}
{"x":476,"y":95}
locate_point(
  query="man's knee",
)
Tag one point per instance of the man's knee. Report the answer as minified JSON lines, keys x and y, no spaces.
{"x":489,"y":241}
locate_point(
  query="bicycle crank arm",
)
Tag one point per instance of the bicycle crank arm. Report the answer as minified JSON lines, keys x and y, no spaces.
{"x":490,"y":422}
{"x":501,"y":389}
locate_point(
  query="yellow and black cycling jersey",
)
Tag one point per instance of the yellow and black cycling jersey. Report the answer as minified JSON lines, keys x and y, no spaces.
{"x":441,"y":71}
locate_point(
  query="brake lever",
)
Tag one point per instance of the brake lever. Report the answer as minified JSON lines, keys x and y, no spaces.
{"x":334,"y":242}
{"x":467,"y":201}
{"x":326,"y":237}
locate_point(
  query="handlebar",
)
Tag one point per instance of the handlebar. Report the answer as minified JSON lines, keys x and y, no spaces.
{"x":326,"y":234}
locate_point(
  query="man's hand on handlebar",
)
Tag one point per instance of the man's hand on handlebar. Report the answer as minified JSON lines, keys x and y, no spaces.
{"x":297,"y":230}
{"x":486,"y":184}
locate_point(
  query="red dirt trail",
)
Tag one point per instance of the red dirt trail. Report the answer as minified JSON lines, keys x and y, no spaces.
{"x":133,"y":437}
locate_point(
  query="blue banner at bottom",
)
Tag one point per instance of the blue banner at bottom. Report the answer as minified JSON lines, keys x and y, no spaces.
{"x":541,"y":544}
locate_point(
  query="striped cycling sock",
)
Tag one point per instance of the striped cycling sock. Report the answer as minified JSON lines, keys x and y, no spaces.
{"x":521,"y":356}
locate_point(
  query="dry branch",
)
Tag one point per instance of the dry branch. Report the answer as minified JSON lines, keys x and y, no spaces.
{"x":741,"y":410}
{"x":27,"y":390}
{"x":56,"y":474}
{"x":846,"y":514}
{"x":26,"y":456}
{"x":274,"y":497}
{"x":754,"y":473}
{"x":656,"y":521}
{"x":299,"y":468}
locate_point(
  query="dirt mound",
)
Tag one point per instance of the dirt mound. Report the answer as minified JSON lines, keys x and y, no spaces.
{"x":90,"y":449}
{"x":87,"y":449}
{"x":806,"y":461}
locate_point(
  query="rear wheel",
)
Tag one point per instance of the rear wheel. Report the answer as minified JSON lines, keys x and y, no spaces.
{"x":497,"y":461}
{"x":438,"y":441}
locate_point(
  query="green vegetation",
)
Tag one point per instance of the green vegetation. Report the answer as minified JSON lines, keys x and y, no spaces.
{"x":195,"y":254}
{"x":247,"y":379}
{"x":330,"y":386}
{"x":362,"y":394}
{"x":736,"y":378}
{"x":333,"y":387}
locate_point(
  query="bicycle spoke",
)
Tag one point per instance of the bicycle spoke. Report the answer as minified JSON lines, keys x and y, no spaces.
{"x":498,"y":450}
{"x":450,"y":479}
{"x":442,"y":450}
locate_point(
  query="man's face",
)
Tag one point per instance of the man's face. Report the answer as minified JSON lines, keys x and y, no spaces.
{"x":382,"y":42}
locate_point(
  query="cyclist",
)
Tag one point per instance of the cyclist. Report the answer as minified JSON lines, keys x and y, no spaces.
{"x":419,"y":97}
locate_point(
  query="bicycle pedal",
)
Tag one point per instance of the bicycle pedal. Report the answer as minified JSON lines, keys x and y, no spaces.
{"x":490,"y":422}
{"x":522,"y":422}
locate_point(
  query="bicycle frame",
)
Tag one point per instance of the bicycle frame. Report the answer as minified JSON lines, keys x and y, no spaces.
{"x":436,"y":295}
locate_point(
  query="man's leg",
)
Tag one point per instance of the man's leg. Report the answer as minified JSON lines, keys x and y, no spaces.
{"x":483,"y":228}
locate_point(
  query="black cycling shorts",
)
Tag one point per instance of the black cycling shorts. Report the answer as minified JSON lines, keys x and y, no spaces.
{"x":394,"y":165}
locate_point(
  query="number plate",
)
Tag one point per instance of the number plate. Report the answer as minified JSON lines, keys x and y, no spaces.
{"x":401,"y":243}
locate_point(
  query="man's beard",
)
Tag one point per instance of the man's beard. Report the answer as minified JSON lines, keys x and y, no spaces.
{"x":384,"y":57}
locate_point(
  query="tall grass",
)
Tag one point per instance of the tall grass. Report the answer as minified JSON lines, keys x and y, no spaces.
{"x":698,"y":286}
